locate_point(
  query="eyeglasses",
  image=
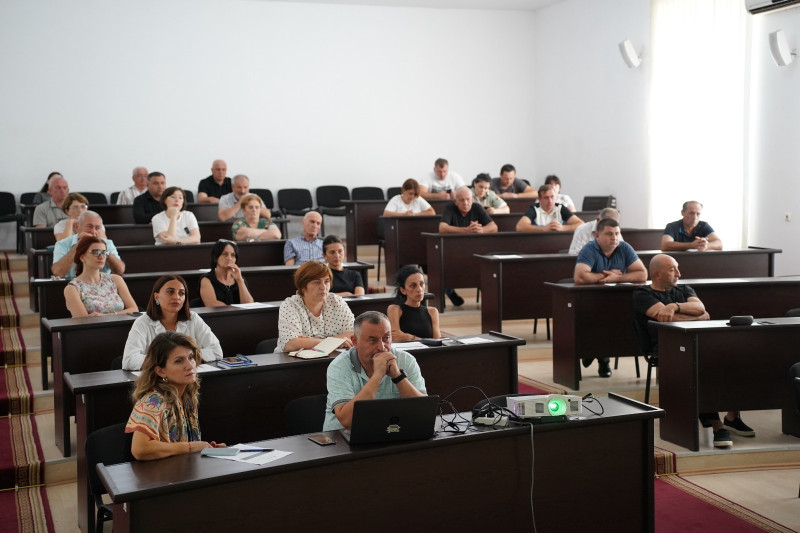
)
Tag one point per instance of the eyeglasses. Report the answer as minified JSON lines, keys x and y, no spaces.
{"x":81,"y":207}
{"x":98,"y":253}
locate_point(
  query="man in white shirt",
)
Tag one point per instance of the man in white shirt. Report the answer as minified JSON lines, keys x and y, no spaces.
{"x":441,"y":183}
{"x":127,"y":196}
{"x":547,"y":215}
{"x":585,"y":232}
{"x":230,"y":205}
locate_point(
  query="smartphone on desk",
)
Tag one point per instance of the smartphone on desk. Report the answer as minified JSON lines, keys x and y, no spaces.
{"x":322,"y":439}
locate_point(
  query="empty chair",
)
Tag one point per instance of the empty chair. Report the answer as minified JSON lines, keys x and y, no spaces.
{"x":95,"y":198}
{"x":267,"y":345}
{"x":109,"y":445}
{"x":368,"y":193}
{"x":8,"y":212}
{"x":26,"y":197}
{"x":188,"y":196}
{"x":391,"y":192}
{"x":114,"y":197}
{"x":648,"y":350}
{"x":305,"y":414}
{"x":266,"y":197}
{"x":596,"y":203}
{"x":296,"y":202}
{"x":329,"y":201}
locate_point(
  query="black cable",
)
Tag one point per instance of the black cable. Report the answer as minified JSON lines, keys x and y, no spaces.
{"x":589,"y":398}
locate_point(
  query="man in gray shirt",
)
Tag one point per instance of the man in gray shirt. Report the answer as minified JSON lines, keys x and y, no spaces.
{"x":48,"y":213}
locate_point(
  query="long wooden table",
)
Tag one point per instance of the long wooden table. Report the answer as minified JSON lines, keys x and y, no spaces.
{"x":404,"y":237}
{"x":710,"y":366}
{"x":361,"y":217}
{"x":452,"y":261}
{"x":83,"y":345}
{"x":445,"y":483}
{"x":512,"y":288}
{"x":123,"y":214}
{"x":255,"y":410}
{"x":597,"y":321}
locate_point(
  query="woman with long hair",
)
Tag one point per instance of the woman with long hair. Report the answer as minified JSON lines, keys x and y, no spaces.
{"x":410,"y":318}
{"x":224,"y":284}
{"x":164,"y":418}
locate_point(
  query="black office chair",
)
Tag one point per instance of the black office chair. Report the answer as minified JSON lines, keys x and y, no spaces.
{"x":114,"y":197}
{"x":27,"y":197}
{"x":368,"y":193}
{"x":188,"y":197}
{"x":391,"y":192}
{"x":266,"y":197}
{"x":296,"y":202}
{"x":329,"y":201}
{"x":596,"y":203}
{"x":95,"y":198}
{"x":116,"y":363}
{"x":305,"y":414}
{"x":266,"y":346}
{"x":648,"y":349}
{"x":109,"y":445}
{"x":8,"y":207}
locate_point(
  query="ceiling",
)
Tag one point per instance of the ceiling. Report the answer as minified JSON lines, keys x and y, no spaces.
{"x":505,"y":5}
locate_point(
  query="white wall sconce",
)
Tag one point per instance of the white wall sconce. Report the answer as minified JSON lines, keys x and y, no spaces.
{"x":629,"y":54}
{"x":779,"y":47}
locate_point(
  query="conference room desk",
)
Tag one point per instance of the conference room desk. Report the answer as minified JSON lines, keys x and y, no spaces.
{"x":511,"y":286}
{"x":83,"y":345}
{"x":243,"y":405}
{"x":441,"y":484}
{"x":129,"y":234}
{"x":123,"y":214}
{"x":404,"y":241}
{"x":597,"y":321}
{"x":452,"y":262}
{"x":708,"y":366}
{"x":146,"y":258}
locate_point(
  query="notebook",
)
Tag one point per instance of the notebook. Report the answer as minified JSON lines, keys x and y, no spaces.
{"x":392,"y":420}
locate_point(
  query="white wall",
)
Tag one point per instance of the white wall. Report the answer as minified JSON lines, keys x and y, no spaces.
{"x":290,"y":94}
{"x":591,"y":110}
{"x":774,"y":149}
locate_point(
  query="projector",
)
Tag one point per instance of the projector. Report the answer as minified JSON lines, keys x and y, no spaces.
{"x":557,"y":406}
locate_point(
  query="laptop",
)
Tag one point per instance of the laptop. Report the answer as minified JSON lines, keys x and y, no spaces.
{"x":392,"y":420}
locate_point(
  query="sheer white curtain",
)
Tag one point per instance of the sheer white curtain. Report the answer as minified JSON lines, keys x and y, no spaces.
{"x":697,"y":128}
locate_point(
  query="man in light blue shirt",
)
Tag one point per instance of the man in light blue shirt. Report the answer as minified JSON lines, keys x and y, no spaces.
{"x":89,"y":225}
{"x":307,"y":246}
{"x":369,"y":370}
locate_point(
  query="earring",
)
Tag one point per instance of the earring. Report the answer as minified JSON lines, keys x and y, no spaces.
{"x":164,"y":380}
{"x":158,"y":303}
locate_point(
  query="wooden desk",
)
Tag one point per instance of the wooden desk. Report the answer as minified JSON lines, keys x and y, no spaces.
{"x":123,"y":214}
{"x":708,"y":366}
{"x":597,"y":321}
{"x":444,"y":482}
{"x":264,"y":390}
{"x":512,"y":287}
{"x":82,"y":345}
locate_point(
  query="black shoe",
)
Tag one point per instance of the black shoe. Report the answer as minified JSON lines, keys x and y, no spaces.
{"x":603,"y":368}
{"x":455,"y":298}
{"x":722,"y":439}
{"x":587,"y":361}
{"x":740,"y":428}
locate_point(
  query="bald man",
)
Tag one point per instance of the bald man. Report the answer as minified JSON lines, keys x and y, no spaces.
{"x":665,"y":301}
{"x":217,"y":185}
{"x":308,"y":246}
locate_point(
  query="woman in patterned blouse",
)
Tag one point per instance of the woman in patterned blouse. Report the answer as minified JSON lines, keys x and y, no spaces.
{"x":95,"y":293}
{"x":164,"y":418}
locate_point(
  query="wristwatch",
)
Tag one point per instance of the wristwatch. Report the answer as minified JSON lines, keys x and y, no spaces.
{"x":400,"y":378}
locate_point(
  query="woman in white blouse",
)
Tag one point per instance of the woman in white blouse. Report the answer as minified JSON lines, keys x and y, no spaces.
{"x":409,"y":202}
{"x":174,"y":225}
{"x":73,"y":205}
{"x":168,"y":310}
{"x":314,"y":312}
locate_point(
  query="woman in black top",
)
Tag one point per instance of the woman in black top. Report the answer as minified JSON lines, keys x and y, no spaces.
{"x":223,"y":284}
{"x":410,"y":318}
{"x":345,"y":282}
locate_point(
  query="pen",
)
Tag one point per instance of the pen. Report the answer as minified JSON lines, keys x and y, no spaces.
{"x":257,"y":450}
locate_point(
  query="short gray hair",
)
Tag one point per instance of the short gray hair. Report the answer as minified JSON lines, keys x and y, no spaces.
{"x":608,"y":212}
{"x":239,"y":177}
{"x":370,"y":317}
{"x":86,"y":214}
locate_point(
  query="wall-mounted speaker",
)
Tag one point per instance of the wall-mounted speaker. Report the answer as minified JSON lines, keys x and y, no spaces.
{"x":629,"y":54}
{"x":779,"y":47}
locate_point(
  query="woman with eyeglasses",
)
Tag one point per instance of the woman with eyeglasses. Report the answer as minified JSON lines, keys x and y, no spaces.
{"x":92,"y":292}
{"x":164,"y":419}
{"x":168,"y":310}
{"x":175,"y":225}
{"x":314,"y":312}
{"x":224,"y":284}
{"x":73,"y":205}
{"x":253,"y":227}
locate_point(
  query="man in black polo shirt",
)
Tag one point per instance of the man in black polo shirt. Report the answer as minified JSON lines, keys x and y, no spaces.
{"x":665,"y":301}
{"x":464,"y":216}
{"x":148,"y":204}
{"x":690,"y":233}
{"x":214,"y":187}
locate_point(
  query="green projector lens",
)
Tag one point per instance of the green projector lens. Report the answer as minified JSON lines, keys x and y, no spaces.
{"x":557,"y":406}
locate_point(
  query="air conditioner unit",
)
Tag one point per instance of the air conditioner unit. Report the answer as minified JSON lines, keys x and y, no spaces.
{"x":760,"y":6}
